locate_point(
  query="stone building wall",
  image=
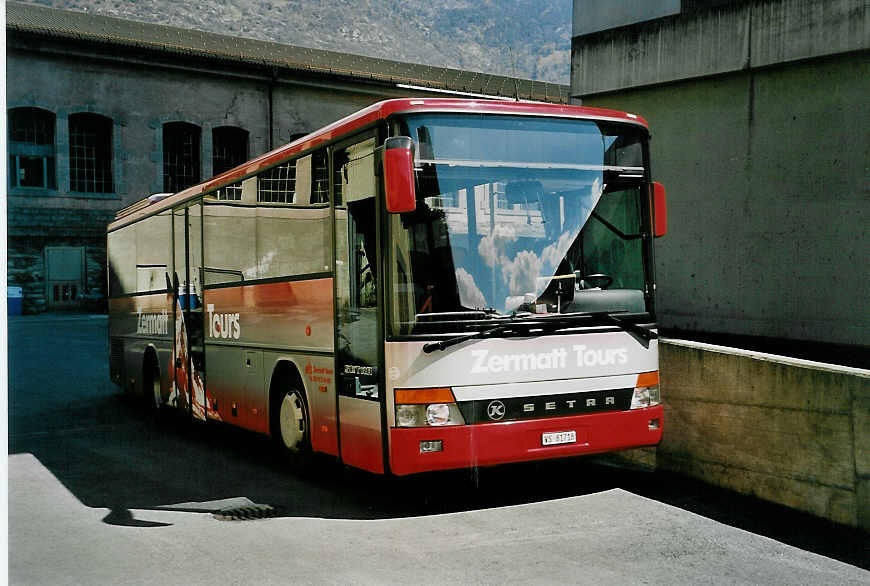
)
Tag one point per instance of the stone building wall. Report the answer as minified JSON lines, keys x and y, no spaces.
{"x":139,"y":98}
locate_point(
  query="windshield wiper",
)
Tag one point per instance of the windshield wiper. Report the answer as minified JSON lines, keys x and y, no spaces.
{"x":451,"y":315}
{"x":432,"y":346}
{"x":639,"y":333}
{"x":523,"y":319}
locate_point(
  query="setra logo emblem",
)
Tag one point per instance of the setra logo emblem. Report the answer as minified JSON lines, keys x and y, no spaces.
{"x":495,"y":410}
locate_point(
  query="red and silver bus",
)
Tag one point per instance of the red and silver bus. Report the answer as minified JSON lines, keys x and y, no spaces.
{"x":426,"y":284}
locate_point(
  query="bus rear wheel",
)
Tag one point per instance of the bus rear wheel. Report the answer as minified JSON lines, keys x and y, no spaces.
{"x":293,"y":422}
{"x":156,"y":392}
{"x":152,"y":392}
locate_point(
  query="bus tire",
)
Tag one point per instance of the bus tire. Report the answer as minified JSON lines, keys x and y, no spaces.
{"x":292,"y":421}
{"x":152,"y":393}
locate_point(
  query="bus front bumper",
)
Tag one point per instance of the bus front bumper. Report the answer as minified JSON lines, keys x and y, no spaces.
{"x":488,"y":444}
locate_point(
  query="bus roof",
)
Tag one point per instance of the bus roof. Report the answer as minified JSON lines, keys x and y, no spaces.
{"x":357,"y":121}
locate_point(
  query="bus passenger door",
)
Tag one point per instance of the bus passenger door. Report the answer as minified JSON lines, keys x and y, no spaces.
{"x":357,"y":327}
{"x":188,"y":376}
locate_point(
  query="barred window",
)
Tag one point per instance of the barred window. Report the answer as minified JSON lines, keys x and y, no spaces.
{"x":31,"y":125}
{"x":180,"y":155}
{"x":31,"y":148}
{"x":90,"y":153}
{"x":320,"y":178}
{"x":229,"y":148}
{"x":278,"y":184}
{"x":230,"y":192}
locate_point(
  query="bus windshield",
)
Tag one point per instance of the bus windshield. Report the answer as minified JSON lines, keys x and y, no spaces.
{"x":518,"y":214}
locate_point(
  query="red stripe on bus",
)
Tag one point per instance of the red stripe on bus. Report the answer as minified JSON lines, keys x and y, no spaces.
{"x":489,"y":444}
{"x":284,"y":294}
{"x":361,"y":447}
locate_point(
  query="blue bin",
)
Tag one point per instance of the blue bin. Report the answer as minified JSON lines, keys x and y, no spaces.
{"x":14,"y":299}
{"x":189,"y":300}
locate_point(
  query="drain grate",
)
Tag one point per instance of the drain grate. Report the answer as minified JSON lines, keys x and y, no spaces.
{"x":245,"y":513}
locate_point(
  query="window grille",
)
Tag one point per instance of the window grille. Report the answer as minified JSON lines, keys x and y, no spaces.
{"x":31,"y":125}
{"x":31,"y":148}
{"x":90,"y":153}
{"x":180,"y":156}
{"x":229,"y":148}
{"x":278,"y":184}
{"x":230,"y":192}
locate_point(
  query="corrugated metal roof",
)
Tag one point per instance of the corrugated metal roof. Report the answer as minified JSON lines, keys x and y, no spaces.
{"x":83,"y":26}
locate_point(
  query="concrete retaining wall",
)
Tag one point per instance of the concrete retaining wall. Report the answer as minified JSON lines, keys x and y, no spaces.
{"x":790,"y":431}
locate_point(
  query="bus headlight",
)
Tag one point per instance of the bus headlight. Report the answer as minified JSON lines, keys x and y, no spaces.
{"x":640,"y":398}
{"x":437,"y":414}
{"x":408,"y":415}
{"x":646,"y":391}
{"x":424,"y":407}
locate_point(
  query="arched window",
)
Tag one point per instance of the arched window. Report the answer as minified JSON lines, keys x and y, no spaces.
{"x":31,"y":148}
{"x":180,"y":155}
{"x":229,"y":148}
{"x":90,"y":153}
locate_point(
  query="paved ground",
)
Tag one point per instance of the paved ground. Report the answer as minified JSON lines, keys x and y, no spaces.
{"x":100,"y":493}
{"x":608,"y":537}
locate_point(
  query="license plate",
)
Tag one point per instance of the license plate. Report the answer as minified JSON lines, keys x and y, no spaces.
{"x":559,"y":437}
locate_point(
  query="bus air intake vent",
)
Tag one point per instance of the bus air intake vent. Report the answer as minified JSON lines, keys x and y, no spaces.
{"x":116,"y":350}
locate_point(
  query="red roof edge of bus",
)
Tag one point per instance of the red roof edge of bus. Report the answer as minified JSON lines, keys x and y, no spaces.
{"x":370,"y":114}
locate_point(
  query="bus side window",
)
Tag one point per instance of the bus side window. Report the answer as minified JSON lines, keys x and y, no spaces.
{"x":356,"y":263}
{"x":320,"y":178}
{"x":361,"y":228}
{"x":152,"y":252}
{"x":353,"y":184}
{"x":122,"y":261}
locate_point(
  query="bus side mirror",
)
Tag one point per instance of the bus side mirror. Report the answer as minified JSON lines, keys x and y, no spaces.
{"x":399,"y":174}
{"x":660,"y":210}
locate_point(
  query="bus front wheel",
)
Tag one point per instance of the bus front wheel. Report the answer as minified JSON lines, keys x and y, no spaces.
{"x":293,"y":421}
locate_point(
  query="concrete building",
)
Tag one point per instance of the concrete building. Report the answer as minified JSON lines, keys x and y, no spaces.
{"x":103,"y":112}
{"x":761,"y":131}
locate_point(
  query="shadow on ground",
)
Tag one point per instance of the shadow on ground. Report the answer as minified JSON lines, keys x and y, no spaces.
{"x":111,"y":453}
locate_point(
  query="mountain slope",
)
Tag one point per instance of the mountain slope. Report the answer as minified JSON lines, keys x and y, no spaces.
{"x":525,"y":38}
